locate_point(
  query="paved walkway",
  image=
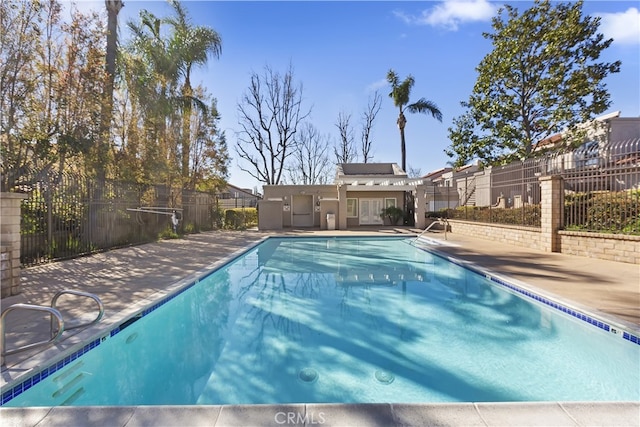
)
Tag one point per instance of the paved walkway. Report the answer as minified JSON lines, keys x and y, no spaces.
{"x":129,"y":278}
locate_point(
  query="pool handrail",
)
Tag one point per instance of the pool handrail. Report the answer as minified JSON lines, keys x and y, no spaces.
{"x":51,"y":310}
{"x":443,"y":221}
{"x":58,"y":294}
{"x":55,"y":315}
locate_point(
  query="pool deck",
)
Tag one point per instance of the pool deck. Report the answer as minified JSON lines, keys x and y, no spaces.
{"x":129,"y":279}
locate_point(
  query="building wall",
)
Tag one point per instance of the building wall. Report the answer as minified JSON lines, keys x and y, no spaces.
{"x":286,"y":193}
{"x":624,"y":128}
{"x":355,"y":222}
{"x":326,"y":199}
{"x":270,"y":214}
{"x":398,"y":195}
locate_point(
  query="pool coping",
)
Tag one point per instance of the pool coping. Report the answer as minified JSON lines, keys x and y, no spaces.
{"x":73,"y":343}
{"x":619,"y":414}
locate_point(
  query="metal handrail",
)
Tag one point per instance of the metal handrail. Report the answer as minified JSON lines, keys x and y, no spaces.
{"x":51,"y":310}
{"x":81,"y":294}
{"x":444,"y":221}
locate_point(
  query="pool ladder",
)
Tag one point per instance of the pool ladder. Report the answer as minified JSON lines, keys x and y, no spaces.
{"x":57,"y":322}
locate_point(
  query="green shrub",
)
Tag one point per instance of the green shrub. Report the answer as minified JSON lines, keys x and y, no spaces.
{"x":217,"y":215}
{"x":528,"y":215}
{"x":167,"y":233}
{"x":240,"y":218}
{"x":609,"y":212}
{"x":393,"y":214}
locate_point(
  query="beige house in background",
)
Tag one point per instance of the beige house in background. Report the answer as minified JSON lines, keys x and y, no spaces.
{"x":356,"y":198}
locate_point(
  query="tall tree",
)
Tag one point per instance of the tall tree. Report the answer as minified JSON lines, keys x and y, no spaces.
{"x":368,"y":119}
{"x":345,"y":151}
{"x":270,"y":113}
{"x":310,"y":161}
{"x":400,"y":93}
{"x":209,"y":161}
{"x":154,"y":66}
{"x":19,"y":43}
{"x":195,"y":44}
{"x":542,"y":76}
{"x":106,"y":115}
{"x":50,"y":71}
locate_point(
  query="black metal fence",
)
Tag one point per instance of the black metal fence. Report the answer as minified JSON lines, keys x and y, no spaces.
{"x":67,"y":215}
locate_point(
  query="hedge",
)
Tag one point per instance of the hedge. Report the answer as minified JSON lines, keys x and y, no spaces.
{"x":240,"y":218}
{"x":528,"y":215}
{"x":612,"y":212}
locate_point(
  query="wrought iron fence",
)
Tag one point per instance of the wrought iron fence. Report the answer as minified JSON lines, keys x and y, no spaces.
{"x":602,"y":187}
{"x":508,"y":194}
{"x":67,"y":215}
{"x":601,"y":194}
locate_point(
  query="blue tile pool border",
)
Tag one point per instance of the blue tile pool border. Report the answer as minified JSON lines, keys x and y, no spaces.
{"x":25,"y":385}
{"x":532,"y":295}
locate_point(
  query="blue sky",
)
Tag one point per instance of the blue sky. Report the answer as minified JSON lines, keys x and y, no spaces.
{"x":341,"y":52}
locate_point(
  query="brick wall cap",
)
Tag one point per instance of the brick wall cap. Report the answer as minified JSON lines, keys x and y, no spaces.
{"x":13,"y":196}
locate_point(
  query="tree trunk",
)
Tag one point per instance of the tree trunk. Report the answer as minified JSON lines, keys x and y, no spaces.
{"x":113,"y":8}
{"x":402,"y":121}
{"x":186,"y":134}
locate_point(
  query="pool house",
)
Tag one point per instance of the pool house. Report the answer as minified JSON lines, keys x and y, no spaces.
{"x":356,"y":198}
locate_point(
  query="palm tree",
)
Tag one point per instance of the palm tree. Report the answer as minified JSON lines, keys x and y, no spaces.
{"x":400,"y":92}
{"x":194,"y":44}
{"x":155,"y":64}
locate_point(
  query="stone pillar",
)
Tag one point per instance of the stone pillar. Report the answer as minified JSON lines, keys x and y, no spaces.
{"x":342,"y":205}
{"x":420,"y":207}
{"x":10,"y":243}
{"x":552,"y":211}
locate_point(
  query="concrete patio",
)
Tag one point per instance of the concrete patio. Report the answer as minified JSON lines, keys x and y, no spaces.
{"x":128,"y":279}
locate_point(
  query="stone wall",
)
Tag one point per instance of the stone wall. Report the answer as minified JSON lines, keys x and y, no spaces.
{"x":530,"y":237}
{"x":549,"y":237}
{"x":10,"y":243}
{"x":614,"y":247}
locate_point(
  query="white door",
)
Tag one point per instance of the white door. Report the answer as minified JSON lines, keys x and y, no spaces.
{"x":370,"y":211}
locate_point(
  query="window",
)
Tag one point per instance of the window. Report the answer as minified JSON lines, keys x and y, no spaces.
{"x":352,"y":208}
{"x":390,"y":202}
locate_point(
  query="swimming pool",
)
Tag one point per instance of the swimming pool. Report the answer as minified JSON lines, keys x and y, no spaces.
{"x":344,"y":320}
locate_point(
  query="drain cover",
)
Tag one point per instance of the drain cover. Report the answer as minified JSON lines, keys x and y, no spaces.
{"x":308,"y":375}
{"x":385,"y":377}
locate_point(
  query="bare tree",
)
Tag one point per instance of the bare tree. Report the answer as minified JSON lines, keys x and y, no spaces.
{"x":310,"y":162}
{"x":345,"y":152}
{"x":414,"y":172}
{"x":269,"y":116}
{"x":368,"y":117}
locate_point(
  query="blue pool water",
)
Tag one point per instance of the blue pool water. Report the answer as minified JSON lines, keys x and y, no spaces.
{"x":344,"y":320}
